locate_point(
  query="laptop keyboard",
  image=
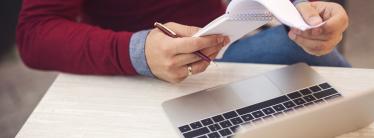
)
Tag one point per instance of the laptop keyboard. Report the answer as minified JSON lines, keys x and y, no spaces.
{"x":225,"y":125}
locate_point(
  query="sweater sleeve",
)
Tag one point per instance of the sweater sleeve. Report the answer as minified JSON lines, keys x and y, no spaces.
{"x":49,"y":37}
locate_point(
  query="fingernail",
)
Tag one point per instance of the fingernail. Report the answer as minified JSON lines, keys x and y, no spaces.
{"x":292,"y":36}
{"x":315,"y":20}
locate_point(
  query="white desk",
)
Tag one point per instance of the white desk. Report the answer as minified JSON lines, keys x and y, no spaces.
{"x":96,"y":106}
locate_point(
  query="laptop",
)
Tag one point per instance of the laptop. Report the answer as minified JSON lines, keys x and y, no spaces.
{"x":269,"y":102}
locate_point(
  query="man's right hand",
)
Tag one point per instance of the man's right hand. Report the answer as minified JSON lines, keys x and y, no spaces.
{"x":168,"y":58}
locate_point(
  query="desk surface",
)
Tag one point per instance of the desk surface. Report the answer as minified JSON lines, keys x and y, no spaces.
{"x":97,"y":106}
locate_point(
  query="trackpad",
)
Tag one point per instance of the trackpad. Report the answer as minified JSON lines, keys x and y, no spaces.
{"x":245,"y":93}
{"x":221,"y":99}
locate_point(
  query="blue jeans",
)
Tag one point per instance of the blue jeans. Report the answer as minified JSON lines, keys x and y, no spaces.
{"x":273,"y":46}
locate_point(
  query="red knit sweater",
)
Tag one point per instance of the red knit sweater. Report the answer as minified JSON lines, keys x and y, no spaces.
{"x":92,"y":36}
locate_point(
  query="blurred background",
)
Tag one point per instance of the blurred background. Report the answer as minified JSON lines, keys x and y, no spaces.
{"x":21,"y":88}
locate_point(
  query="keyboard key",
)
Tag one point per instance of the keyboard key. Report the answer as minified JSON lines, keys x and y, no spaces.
{"x":289,"y":104}
{"x":196,"y":125}
{"x":258,"y":114}
{"x":246,"y":123}
{"x":319,"y":101}
{"x":298,"y":107}
{"x":207,"y":121}
{"x":214,"y":135}
{"x":325,"y":93}
{"x":236,"y":120}
{"x":309,"y":98}
{"x":333,"y":97}
{"x":268,"y":111}
{"x":247,"y":117}
{"x":267,"y":117}
{"x":288,"y":110}
{"x":229,"y":115}
{"x":225,"y":132}
{"x":294,"y":95}
{"x":278,"y":114}
{"x":257,"y":120}
{"x":203,"y":136}
{"x":305,"y":91}
{"x":279,"y":107}
{"x":234,"y":128}
{"x":315,"y":88}
{"x":325,"y":85}
{"x":218,"y":118}
{"x":299,"y":101}
{"x":261,"y":105}
{"x":309,"y":104}
{"x":197,"y":132}
{"x":225,"y":124}
{"x":184,"y":128}
{"x":214,"y":127}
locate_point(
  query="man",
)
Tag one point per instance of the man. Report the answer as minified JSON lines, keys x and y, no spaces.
{"x":114,"y":37}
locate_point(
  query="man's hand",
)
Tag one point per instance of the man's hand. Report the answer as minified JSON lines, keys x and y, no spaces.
{"x":168,"y":58}
{"x":320,"y":41}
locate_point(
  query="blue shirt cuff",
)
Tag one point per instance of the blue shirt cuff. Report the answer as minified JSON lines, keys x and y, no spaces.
{"x":295,"y":2}
{"x":137,"y":53}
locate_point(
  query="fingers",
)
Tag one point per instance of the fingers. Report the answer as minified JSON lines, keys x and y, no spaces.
{"x":184,"y":59}
{"x":177,"y":72}
{"x":312,"y":34}
{"x":322,"y":40}
{"x":201,"y":66}
{"x":310,"y":14}
{"x":335,"y":16}
{"x":182,"y":30}
{"x":197,"y":67}
{"x":315,"y":47}
{"x":332,"y":13}
{"x":167,"y":57}
{"x":193,"y":44}
{"x":190,"y":44}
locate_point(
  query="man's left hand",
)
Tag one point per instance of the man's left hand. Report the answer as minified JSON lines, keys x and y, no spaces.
{"x":322,"y":40}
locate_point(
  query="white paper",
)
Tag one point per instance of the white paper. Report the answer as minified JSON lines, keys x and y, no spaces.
{"x":283,"y":10}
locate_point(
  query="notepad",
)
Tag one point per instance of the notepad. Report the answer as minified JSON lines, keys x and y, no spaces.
{"x":245,"y":16}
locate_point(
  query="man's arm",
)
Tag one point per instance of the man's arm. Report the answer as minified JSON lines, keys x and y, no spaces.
{"x":50,"y":38}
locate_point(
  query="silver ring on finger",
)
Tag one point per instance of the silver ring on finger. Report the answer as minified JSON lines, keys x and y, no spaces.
{"x":189,"y":69}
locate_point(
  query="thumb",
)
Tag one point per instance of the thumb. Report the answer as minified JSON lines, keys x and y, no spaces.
{"x":182,"y":30}
{"x":309,"y":13}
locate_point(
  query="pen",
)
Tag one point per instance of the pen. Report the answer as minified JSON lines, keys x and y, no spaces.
{"x":174,"y":35}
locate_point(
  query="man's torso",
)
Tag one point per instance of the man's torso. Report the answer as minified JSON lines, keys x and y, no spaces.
{"x":132,"y":15}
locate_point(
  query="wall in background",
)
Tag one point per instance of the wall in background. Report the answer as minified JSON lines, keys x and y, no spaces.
{"x":359,"y":40}
{"x":8,"y":12}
